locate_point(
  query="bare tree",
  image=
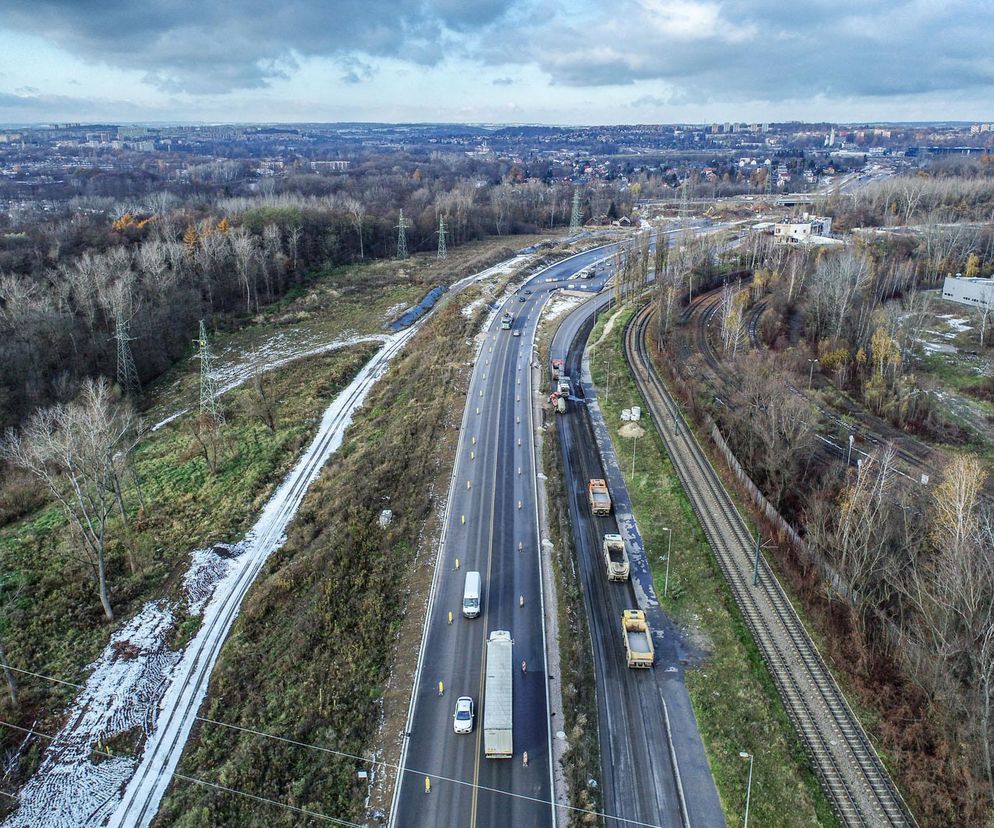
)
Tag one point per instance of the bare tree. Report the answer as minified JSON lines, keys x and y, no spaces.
{"x":78,"y":451}
{"x":358,"y":213}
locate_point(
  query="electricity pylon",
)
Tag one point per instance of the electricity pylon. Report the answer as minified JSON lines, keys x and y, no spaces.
{"x":208,"y":382}
{"x":442,"y":252}
{"x":127,"y":374}
{"x":401,"y":236}
{"x":576,"y":216}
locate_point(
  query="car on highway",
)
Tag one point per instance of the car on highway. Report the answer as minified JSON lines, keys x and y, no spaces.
{"x":515,"y":332}
{"x":462,"y":719}
{"x":522,"y":298}
{"x":528,"y":292}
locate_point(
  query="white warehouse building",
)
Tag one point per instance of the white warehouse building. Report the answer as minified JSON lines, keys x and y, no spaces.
{"x":969,"y":291}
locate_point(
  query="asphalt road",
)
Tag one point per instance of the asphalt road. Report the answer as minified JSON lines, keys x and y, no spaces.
{"x":492,"y":527}
{"x":654,"y":769}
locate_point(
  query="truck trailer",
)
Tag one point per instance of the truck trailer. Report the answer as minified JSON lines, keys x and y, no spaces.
{"x":497,"y":710}
{"x":600,"y":500}
{"x":616,"y":558}
{"x":638,"y":639}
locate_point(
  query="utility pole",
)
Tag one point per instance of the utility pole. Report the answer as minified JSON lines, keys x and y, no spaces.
{"x":575,"y":219}
{"x":442,"y":252}
{"x":208,"y":382}
{"x":127,"y":374}
{"x":401,"y":236}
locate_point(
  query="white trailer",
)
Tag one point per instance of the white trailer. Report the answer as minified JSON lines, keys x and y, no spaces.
{"x":498,"y":721}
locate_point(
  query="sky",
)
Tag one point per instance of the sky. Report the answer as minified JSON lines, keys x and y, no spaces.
{"x":496,"y":61}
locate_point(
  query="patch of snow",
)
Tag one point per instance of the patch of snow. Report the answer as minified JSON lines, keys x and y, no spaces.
{"x":957,"y":323}
{"x":470,"y":309}
{"x":937,"y":347}
{"x":169,"y":419}
{"x":394,"y":310}
{"x":560,"y":304}
{"x":122,"y":693}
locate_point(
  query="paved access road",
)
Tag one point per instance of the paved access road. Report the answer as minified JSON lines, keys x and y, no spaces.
{"x":654,"y":769}
{"x":491,"y":527}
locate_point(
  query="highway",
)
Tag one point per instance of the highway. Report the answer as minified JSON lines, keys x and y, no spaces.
{"x":491,"y":526}
{"x":654,"y":769}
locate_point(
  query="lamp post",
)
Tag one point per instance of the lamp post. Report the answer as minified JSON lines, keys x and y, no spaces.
{"x":744,"y":755}
{"x":811,"y":373}
{"x":669,"y":554}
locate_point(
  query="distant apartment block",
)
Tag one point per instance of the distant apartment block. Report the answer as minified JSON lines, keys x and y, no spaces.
{"x":969,"y":291}
{"x":329,"y":166}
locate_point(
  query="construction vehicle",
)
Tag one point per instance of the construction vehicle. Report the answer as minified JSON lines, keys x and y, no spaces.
{"x":558,"y":402}
{"x":616,"y":558}
{"x":600,"y":500}
{"x":506,"y":321}
{"x":557,"y":368}
{"x":497,"y":709}
{"x":638,"y":639}
{"x":564,"y":386}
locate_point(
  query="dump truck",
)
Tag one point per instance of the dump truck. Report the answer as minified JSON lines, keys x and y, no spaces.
{"x":616,"y":558}
{"x":506,"y":321}
{"x":638,"y":639}
{"x":557,"y":368}
{"x":497,"y":718}
{"x":600,"y":500}
{"x":558,"y":402}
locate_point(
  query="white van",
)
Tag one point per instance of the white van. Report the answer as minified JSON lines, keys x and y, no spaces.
{"x":471,"y":595}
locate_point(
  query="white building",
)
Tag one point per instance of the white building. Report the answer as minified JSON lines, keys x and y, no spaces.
{"x":803,"y":230}
{"x":972,"y":292}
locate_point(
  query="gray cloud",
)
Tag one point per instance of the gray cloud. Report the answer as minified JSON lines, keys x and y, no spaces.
{"x":503,"y":81}
{"x":18,"y":108}
{"x":729,"y":50}
{"x":207,"y":46}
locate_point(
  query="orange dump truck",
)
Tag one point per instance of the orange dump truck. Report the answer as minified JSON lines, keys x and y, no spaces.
{"x":600,"y":500}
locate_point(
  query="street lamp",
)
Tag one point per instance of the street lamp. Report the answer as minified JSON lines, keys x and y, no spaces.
{"x":669,"y":554}
{"x":744,"y":755}
{"x":811,"y":373}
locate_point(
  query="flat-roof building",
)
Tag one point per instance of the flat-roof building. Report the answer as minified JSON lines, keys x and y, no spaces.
{"x":970,"y":291}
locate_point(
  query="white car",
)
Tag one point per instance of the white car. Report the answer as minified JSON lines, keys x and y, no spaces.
{"x":462,"y":719}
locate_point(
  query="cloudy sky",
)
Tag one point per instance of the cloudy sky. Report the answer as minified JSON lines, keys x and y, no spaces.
{"x":551,"y":61}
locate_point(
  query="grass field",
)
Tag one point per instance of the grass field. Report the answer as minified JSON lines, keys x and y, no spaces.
{"x":734,"y":699}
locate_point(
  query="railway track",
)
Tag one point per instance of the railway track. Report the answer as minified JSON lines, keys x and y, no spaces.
{"x":851,"y":773}
{"x":915,"y":459}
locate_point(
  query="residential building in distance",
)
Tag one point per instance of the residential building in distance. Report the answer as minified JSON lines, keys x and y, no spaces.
{"x":807,"y":229}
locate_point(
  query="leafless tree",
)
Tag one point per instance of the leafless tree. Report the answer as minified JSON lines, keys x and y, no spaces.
{"x":78,"y":451}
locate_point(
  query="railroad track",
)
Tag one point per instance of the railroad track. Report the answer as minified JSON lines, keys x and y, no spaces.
{"x":916,"y":458}
{"x":851,"y":773}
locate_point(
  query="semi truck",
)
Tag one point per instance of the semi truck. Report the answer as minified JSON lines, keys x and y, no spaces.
{"x":616,"y":558}
{"x":563,"y":385}
{"x":557,"y":368}
{"x":506,"y":321}
{"x":600,"y":500}
{"x":497,"y":718}
{"x":638,"y":639}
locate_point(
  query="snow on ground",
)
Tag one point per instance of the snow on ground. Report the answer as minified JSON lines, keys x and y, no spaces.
{"x":470,"y":309}
{"x":930,"y":347}
{"x":276,"y":352}
{"x":561,"y":303}
{"x":74,"y":785}
{"x":957,"y":323}
{"x":138,"y":682}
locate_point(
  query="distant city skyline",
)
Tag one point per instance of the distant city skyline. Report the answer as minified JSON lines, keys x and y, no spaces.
{"x":489,"y":61}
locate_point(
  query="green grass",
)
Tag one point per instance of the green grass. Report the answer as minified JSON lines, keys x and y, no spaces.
{"x":734,"y":699}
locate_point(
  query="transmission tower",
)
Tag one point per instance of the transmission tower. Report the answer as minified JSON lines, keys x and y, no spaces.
{"x":401,"y":236}
{"x":127,"y":374}
{"x":208,"y":382}
{"x":576,"y":215}
{"x":442,"y":252}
